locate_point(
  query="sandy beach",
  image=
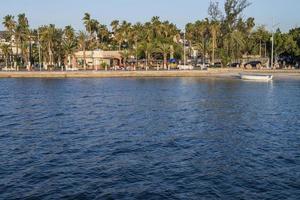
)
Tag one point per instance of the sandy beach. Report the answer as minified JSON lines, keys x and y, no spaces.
{"x":214,"y":73}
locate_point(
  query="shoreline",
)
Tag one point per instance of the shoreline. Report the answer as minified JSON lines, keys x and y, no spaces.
{"x":211,"y":73}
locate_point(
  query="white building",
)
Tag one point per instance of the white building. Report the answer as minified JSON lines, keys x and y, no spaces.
{"x":95,"y":59}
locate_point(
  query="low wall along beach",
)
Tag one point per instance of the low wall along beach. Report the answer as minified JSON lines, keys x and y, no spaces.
{"x":222,"y":73}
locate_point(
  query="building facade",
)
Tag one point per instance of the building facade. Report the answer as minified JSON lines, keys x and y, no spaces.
{"x":97,"y":59}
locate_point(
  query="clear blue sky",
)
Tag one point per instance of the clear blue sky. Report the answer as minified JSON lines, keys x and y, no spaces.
{"x":65,"y":12}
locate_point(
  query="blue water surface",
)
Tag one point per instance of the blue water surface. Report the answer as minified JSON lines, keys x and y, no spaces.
{"x":151,"y":138}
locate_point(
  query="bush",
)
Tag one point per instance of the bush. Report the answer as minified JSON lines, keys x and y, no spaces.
{"x":104,"y":65}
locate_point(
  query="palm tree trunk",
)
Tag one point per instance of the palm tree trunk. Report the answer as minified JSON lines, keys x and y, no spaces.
{"x":59,"y":63}
{"x":12,"y":52}
{"x":84,"y":59}
{"x":146,"y":56}
{"x":50,"y":56}
{"x":149,"y":60}
{"x":69,"y":61}
{"x":172,"y":52}
{"x":17,"y":55}
{"x":6,"y":61}
{"x":203,"y":52}
{"x":165,"y":61}
{"x":28,"y":58}
{"x":213,"y":49}
{"x":22,"y":53}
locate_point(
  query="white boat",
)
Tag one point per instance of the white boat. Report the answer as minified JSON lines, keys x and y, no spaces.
{"x":256,"y":77}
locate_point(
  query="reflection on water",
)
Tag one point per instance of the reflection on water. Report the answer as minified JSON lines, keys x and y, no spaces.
{"x":173,"y":138}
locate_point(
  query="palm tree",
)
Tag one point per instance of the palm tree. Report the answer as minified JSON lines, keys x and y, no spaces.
{"x":6,"y":51}
{"x":102,"y":33}
{"x":87,"y":21}
{"x":122,"y":34}
{"x":125,"y":32}
{"x":125,"y":54}
{"x":164,"y":48}
{"x":198,"y":34}
{"x":23,"y":39}
{"x":48,"y":34}
{"x":94,"y":37}
{"x":115,"y":25}
{"x":92,"y":27}
{"x":214,"y":31}
{"x":10,"y":25}
{"x":69,"y":43}
{"x":148,"y":48}
{"x":82,"y":39}
{"x":234,"y":43}
{"x":135,"y":37}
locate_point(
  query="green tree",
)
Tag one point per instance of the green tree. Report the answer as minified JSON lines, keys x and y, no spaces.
{"x":69,"y":43}
{"x":295,"y":34}
{"x":82,"y":40}
{"x":10,"y":25}
{"x":48,"y":38}
{"x":214,"y":28}
{"x":262,"y":37}
{"x":87,"y":21}
{"x":233,"y":25}
{"x":199,"y":33}
{"x":6,"y":51}
{"x":284,"y":43}
{"x":23,"y":39}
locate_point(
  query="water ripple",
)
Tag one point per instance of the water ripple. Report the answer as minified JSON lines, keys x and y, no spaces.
{"x":181,"y":138}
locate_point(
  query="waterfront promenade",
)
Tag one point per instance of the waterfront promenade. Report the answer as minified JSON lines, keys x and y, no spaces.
{"x":214,"y":73}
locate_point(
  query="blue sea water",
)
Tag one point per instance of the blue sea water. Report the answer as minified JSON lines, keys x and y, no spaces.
{"x":149,"y":138}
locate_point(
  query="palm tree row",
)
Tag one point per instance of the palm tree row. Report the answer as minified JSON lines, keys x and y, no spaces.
{"x":154,"y":38}
{"x":225,"y":36}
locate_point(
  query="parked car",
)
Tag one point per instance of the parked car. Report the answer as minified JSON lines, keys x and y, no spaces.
{"x":201,"y":64}
{"x":297,"y":62}
{"x":216,"y":65}
{"x":235,"y":64}
{"x":253,"y":64}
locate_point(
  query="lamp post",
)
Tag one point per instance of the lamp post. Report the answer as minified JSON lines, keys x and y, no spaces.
{"x":272,"y":52}
{"x":184,"y":50}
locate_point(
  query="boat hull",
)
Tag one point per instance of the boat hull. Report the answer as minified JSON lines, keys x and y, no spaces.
{"x":254,"y":77}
